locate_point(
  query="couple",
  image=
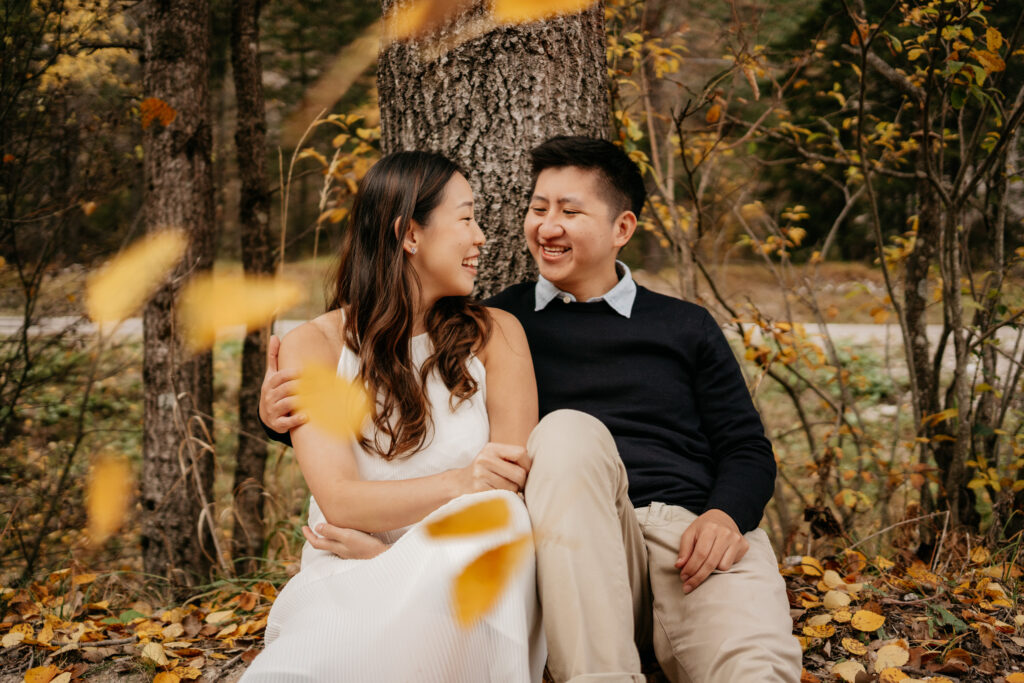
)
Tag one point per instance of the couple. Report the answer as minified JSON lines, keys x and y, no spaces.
{"x":644,"y":482}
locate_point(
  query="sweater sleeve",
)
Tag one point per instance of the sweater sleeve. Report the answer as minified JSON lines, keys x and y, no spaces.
{"x":744,"y":461}
{"x":284,"y":438}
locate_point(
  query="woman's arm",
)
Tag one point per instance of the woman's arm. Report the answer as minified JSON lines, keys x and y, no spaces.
{"x":328,"y":463}
{"x":329,"y":467}
{"x":511,"y":385}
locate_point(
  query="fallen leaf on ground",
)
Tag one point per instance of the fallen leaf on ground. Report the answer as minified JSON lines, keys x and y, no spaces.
{"x":854,"y":647}
{"x":848,"y":670}
{"x":42,"y":674}
{"x":890,"y":656}
{"x":864,"y":620}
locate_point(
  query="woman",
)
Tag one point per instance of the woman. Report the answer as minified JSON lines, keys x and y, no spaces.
{"x":456,"y":400}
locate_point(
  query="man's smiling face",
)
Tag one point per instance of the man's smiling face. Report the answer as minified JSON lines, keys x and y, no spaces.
{"x":573,"y":231}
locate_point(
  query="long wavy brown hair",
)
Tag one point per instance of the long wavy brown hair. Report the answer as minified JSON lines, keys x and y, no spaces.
{"x":377,"y":288}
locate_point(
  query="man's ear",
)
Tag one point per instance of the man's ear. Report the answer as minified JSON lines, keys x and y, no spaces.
{"x":624,"y":227}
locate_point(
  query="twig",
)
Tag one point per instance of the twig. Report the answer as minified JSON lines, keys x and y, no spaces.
{"x":901,"y":523}
{"x":108,"y":643}
{"x":942,"y":538}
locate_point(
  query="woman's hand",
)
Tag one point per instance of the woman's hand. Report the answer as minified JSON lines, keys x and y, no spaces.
{"x":348,"y":544}
{"x":497,"y":466}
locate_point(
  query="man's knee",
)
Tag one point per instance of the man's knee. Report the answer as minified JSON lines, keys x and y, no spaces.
{"x":567,"y":440}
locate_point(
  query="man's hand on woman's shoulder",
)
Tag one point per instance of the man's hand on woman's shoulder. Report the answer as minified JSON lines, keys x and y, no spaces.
{"x":277,"y":394}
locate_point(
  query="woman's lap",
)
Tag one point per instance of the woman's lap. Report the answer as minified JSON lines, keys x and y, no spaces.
{"x":391,"y":617}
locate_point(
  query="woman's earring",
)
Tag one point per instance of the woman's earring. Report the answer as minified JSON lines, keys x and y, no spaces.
{"x":412,"y":250}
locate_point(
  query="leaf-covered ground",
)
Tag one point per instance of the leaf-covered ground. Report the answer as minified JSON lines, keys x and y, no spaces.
{"x":859,"y":619}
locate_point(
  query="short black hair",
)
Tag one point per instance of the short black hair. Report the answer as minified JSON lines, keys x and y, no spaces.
{"x":619,"y":173}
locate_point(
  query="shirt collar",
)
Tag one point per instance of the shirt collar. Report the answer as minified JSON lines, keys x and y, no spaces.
{"x":620,"y":297}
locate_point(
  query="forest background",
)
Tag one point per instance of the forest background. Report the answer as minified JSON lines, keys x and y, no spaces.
{"x":839,"y":182}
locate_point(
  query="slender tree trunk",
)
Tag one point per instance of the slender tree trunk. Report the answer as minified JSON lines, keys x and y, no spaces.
{"x":257,"y":258}
{"x":485,"y":103}
{"x":177,"y":470}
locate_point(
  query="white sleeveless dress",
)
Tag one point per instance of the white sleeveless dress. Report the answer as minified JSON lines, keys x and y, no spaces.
{"x":390,"y":618}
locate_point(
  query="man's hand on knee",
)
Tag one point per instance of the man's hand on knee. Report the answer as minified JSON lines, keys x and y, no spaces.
{"x":348,"y":544}
{"x":712,"y":541}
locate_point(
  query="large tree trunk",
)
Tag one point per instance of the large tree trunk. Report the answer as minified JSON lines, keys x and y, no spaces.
{"x":177,"y":471}
{"x":485,"y":103}
{"x":257,"y":258}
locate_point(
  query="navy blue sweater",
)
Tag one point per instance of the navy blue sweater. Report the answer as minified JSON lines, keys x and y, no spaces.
{"x":667,"y":386}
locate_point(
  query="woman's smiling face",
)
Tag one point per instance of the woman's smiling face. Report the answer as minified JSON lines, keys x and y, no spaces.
{"x":447,"y":248}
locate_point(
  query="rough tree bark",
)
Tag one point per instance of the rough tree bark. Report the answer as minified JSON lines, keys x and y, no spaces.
{"x":177,"y":471}
{"x":485,"y":103}
{"x":257,"y":258}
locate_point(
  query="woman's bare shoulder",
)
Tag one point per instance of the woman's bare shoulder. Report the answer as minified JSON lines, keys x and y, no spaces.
{"x":319,"y":340}
{"x":507,"y":336}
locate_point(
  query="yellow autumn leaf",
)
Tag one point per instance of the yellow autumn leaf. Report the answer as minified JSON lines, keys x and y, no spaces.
{"x":864,"y":620}
{"x":811,"y":566}
{"x":407,"y":20}
{"x":331,"y":403}
{"x":118,"y":289}
{"x":836,"y":600}
{"x":82,"y":579}
{"x":479,"y":585}
{"x":819,"y":620}
{"x":989,"y":61}
{"x":980,"y":555}
{"x":525,"y":11}
{"x":993,"y":39}
{"x":155,"y":653}
{"x":831,"y":579}
{"x":848,"y":670}
{"x":1016,"y":677}
{"x":714,"y":113}
{"x":822,"y":631}
{"x":189,"y":673}
{"x":890,"y":656}
{"x":107,"y":496}
{"x":892,"y":675}
{"x":220,"y":617}
{"x":487,"y":515}
{"x":209,"y":303}
{"x":166,"y":677}
{"x":41,"y":674}
{"x":854,"y":647}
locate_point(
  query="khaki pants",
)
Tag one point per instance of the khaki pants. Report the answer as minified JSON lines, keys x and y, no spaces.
{"x":608,"y":586}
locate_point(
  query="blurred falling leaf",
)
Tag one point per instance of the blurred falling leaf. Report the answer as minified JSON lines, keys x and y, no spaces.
{"x":332,"y":403}
{"x":525,"y":11}
{"x":210,"y":303}
{"x":864,"y":620}
{"x":848,"y":670}
{"x":487,"y":515}
{"x":110,"y":487}
{"x":477,"y":588}
{"x":418,"y":18}
{"x":122,"y":285}
{"x":154,"y":109}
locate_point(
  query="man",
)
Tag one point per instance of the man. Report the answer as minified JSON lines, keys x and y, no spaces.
{"x":650,"y":466}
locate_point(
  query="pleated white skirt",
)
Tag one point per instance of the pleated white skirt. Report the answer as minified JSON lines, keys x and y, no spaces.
{"x":391,"y":618}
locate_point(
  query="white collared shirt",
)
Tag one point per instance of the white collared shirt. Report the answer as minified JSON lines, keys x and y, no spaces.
{"x":620,"y":297}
